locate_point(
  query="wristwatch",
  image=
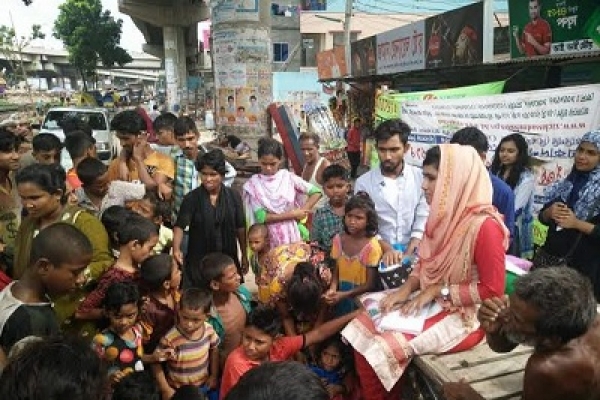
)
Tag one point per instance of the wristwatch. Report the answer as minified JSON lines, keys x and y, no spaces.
{"x":445,"y":292}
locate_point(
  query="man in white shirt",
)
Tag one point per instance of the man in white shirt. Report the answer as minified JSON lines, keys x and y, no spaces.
{"x":395,"y":188}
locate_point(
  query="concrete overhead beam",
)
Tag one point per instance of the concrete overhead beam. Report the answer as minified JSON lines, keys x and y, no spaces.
{"x":165,"y":12}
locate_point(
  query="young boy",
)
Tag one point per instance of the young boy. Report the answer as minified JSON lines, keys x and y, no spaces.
{"x":46,"y":149}
{"x":195,"y":344}
{"x":231,"y":300}
{"x":96,"y":193}
{"x":258,"y":241}
{"x":164,"y":127}
{"x":157,"y":211}
{"x":328,"y":220}
{"x":80,"y":145}
{"x":59,"y":255}
{"x":261,"y":342}
{"x":160,"y":277}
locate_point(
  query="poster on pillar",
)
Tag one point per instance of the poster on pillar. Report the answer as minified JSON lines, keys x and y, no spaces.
{"x":243,"y":76}
{"x":235,"y":11}
{"x":546,"y":27}
{"x":455,"y":37}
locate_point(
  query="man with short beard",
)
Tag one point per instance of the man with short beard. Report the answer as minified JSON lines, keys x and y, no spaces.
{"x":554,"y":311}
{"x":395,"y":188}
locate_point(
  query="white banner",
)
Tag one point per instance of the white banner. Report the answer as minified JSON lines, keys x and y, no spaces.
{"x":551,"y":120}
{"x":401,"y":49}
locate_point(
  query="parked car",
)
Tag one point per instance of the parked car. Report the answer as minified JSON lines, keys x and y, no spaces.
{"x":97,"y":118}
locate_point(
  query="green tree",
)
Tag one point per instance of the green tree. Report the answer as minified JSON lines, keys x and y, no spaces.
{"x":91,"y":36}
{"x":12,"y":46}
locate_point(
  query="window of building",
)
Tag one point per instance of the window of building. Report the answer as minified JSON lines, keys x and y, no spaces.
{"x":280,"y":52}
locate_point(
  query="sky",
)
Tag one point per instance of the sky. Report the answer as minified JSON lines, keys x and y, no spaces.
{"x":44,"y":12}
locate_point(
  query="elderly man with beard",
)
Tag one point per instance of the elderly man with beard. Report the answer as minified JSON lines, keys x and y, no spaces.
{"x":395,"y":188}
{"x":554,"y":311}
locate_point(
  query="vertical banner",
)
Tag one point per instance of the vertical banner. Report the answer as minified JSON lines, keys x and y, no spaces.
{"x":552,"y":122}
{"x":364,"y":57}
{"x":401,"y":49}
{"x":455,"y":37}
{"x":542,"y":27}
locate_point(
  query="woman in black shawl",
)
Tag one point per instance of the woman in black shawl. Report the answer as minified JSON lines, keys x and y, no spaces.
{"x":214,"y":215}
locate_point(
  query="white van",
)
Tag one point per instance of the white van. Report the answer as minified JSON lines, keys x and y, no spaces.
{"x":96,"y":118}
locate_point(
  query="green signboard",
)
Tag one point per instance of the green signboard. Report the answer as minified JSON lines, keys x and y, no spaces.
{"x":388,"y":106}
{"x":543,"y":27}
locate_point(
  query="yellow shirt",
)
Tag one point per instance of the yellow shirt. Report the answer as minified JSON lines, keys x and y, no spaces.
{"x":156,"y":163}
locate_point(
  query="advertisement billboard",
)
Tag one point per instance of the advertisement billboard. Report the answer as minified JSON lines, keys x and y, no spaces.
{"x":539,"y":28}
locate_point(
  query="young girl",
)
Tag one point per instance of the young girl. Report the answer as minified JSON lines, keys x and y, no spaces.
{"x":512,"y":164}
{"x":136,"y":237}
{"x":332,"y":366}
{"x":160,"y":278}
{"x":357,"y":253}
{"x":112,"y":219}
{"x":275,"y":197}
{"x":120,"y":345}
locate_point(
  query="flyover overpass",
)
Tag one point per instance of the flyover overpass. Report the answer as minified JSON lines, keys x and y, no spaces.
{"x":54,"y":63}
{"x":170,"y":28}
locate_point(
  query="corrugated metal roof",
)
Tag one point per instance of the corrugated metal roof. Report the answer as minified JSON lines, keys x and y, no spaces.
{"x":549,"y":58}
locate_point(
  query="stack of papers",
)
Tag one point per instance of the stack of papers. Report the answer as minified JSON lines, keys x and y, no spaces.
{"x":395,"y":320}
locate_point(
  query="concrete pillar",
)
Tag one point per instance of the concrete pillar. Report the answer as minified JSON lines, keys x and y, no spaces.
{"x":241,"y":49}
{"x":175,"y":64}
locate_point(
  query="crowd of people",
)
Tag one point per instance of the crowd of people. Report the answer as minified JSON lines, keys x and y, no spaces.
{"x":130,"y":277}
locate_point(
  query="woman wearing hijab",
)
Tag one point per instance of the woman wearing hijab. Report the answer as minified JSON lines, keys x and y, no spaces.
{"x":573,"y":215}
{"x":462,"y":263}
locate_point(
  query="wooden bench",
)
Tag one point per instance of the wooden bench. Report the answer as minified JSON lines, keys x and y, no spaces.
{"x":496,"y":376}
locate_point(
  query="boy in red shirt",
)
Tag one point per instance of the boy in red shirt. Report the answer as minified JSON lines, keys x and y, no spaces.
{"x":261,"y":342}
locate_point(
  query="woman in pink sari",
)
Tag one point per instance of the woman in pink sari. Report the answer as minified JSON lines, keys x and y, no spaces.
{"x":462,"y":263}
{"x":278,"y":198}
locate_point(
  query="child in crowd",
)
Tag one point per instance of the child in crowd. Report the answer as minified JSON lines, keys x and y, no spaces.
{"x":278,"y":198}
{"x":165,"y":134}
{"x":333,"y":359}
{"x":231,"y":300}
{"x":158,"y":211}
{"x":328,"y":220}
{"x":160,"y":277}
{"x":96,"y":193}
{"x":195,"y":344}
{"x":120,"y":345}
{"x":258,"y":241}
{"x":357,"y":253}
{"x":136,"y":237}
{"x":136,"y":386}
{"x":59,"y":255}
{"x":112,"y":219}
{"x":46,"y":149}
{"x":80,"y":145}
{"x":188,"y":393}
{"x":262,"y":342}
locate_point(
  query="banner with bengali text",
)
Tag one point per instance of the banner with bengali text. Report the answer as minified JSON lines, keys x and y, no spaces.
{"x":551,"y":120}
{"x":401,"y":49}
{"x":388,"y":106}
